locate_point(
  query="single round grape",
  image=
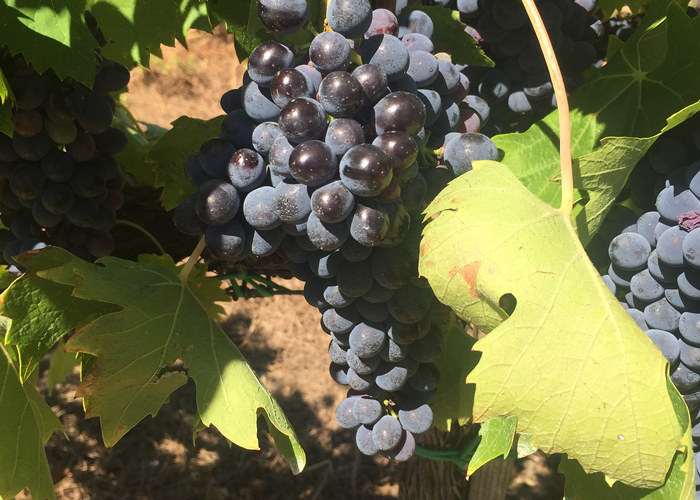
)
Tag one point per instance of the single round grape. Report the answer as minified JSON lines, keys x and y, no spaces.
{"x":645,"y":226}
{"x":426,"y":378}
{"x":417,"y":41}
{"x":214,"y":156}
{"x":367,"y":339}
{"x":313,"y":163}
{"x":365,"y":170}
{"x":369,"y":224}
{"x":462,"y":150}
{"x":87,"y":182}
{"x":359,"y":382}
{"x":350,"y":18}
{"x":645,"y":287}
{"x":339,"y":374}
{"x":669,"y":246}
{"x":246,"y":170}
{"x":36,"y":147}
{"x":367,"y":410}
{"x":416,"y":417}
{"x":289,"y":84}
{"x":400,"y":111}
{"x":399,"y":147}
{"x":43,"y":217}
{"x":83,"y":213}
{"x":363,"y":366}
{"x":325,"y":264}
{"x":111,"y":142}
{"x":326,"y":236}
{"x":279,"y":157}
{"x":330,"y":52}
{"x":629,"y":251}
{"x":283,"y":17}
{"x":96,"y":116}
{"x":258,"y":103}
{"x":409,"y":304}
{"x":684,"y":378}
{"x":332,"y":202}
{"x":387,"y":433}
{"x":384,"y":22}
{"x":29,"y":90}
{"x":259,"y":210}
{"x":186,"y":219}
{"x":217,"y":202}
{"x":302,"y":119}
{"x":340,"y":94}
{"x":373,"y":80}
{"x":390,"y":268}
{"x":667,"y":344}
{"x":391,"y":376}
{"x":365,"y":441}
{"x":111,"y":76}
{"x":427,"y":349}
{"x":447,"y":80}
{"x":341,"y":320}
{"x":404,"y":450}
{"x":313,"y":77}
{"x":662,"y":316}
{"x":231,"y":100}
{"x":29,"y":123}
{"x":237,"y":128}
{"x":334,"y":296}
{"x":433,"y":105}
{"x":343,"y":134}
{"x":267,"y":59}
{"x":65,"y":103}
{"x":264,"y":243}
{"x":689,"y":283}
{"x":423,"y":68}
{"x":27,"y":181}
{"x":344,"y":414}
{"x":371,"y":312}
{"x":387,"y":52}
{"x":416,"y":22}
{"x":292,"y":201}
{"x":264,"y":137}
{"x":676,"y":200}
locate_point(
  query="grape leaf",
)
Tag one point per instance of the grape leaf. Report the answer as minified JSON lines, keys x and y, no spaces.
{"x":160,"y":321}
{"x":454,"y":399}
{"x":42,"y":312}
{"x":680,"y":482}
{"x":650,"y":78}
{"x":167,"y":156}
{"x":6,"y":277}
{"x":569,"y":362}
{"x":604,"y":172}
{"x":449,"y":36}
{"x":27,"y":423}
{"x":61,"y":364}
{"x":496,"y":440}
{"x":207,"y":289}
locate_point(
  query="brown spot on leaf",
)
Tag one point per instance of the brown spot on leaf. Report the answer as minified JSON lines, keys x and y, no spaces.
{"x":469,"y":273}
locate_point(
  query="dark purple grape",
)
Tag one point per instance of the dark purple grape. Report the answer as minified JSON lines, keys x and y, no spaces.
{"x":111,"y":142}
{"x":27,"y":123}
{"x":340,"y":94}
{"x":447,"y":80}
{"x":283,"y":17}
{"x":237,"y":128}
{"x":324,"y":235}
{"x":214,"y":157}
{"x":32,"y":148}
{"x":417,"y":41}
{"x":97,"y":114}
{"x":29,"y":90}
{"x":194,"y":171}
{"x":65,"y":103}
{"x":373,"y":81}
{"x":288,"y":84}
{"x":350,"y":18}
{"x":312,"y":75}
{"x":246,"y":170}
{"x":329,"y":52}
{"x":27,"y":181}
{"x":332,"y":202}
{"x":302,"y":119}
{"x":87,"y":182}
{"x":83,"y":213}
{"x":111,"y":76}
{"x":267,"y":59}
{"x":423,"y":68}
{"x":231,"y":100}
{"x":370,"y":223}
{"x":460,"y":152}
{"x":388,"y":53}
{"x":384,"y":22}
{"x":400,"y":111}
{"x":186,"y":219}
{"x":217,"y":202}
{"x":416,"y":22}
{"x":292,"y":201}
{"x":258,"y":103}
{"x":343,"y":134}
{"x":399,"y":147}
{"x":226,"y":241}
{"x":365,"y":170}
{"x":313,"y":163}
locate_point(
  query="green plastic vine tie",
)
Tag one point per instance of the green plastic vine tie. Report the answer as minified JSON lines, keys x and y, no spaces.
{"x":144,"y":231}
{"x":567,"y":176}
{"x":189,"y":265}
{"x":459,"y":457}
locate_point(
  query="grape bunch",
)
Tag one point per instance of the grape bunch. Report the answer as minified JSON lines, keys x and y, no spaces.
{"x":62,"y":184}
{"x":655,"y":260}
{"x":518,"y":88}
{"x":327,"y":161}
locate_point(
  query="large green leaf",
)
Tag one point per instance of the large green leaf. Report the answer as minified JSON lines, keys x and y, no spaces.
{"x":61,"y":364}
{"x":569,"y":362}
{"x":161,"y":320}
{"x":42,"y":312}
{"x":653,"y":76}
{"x":27,"y":423}
{"x":167,"y":156}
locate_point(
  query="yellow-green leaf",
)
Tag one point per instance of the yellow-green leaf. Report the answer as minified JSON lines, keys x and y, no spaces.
{"x":569,"y":362}
{"x":496,"y":440}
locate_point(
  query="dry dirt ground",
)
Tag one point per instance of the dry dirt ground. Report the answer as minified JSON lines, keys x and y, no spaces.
{"x":284,"y":344}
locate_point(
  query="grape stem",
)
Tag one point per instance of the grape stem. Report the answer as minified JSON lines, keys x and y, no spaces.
{"x":144,"y":231}
{"x":189,"y":265}
{"x":567,"y":177}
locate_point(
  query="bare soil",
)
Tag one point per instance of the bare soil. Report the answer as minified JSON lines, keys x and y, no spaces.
{"x":283,"y":342}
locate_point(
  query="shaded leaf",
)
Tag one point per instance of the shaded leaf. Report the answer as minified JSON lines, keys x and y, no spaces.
{"x":167,"y":156}
{"x":496,"y":441}
{"x":27,"y":423}
{"x":42,"y":311}
{"x":161,"y":321}
{"x":61,"y":364}
{"x":490,"y":236}
{"x":454,"y":399}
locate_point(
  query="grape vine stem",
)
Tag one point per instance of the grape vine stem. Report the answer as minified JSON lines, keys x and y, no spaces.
{"x":189,"y":265}
{"x":567,"y":176}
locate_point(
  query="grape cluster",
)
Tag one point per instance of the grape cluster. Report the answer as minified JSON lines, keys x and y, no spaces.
{"x":655,"y":261}
{"x":327,"y":161}
{"x":62,"y":183}
{"x":518,"y":88}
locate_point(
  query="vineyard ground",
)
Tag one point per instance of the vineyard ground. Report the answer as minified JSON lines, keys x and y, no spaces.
{"x":281,"y":339}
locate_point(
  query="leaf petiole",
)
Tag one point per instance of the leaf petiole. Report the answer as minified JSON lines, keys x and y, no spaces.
{"x":189,"y":265}
{"x":567,"y":177}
